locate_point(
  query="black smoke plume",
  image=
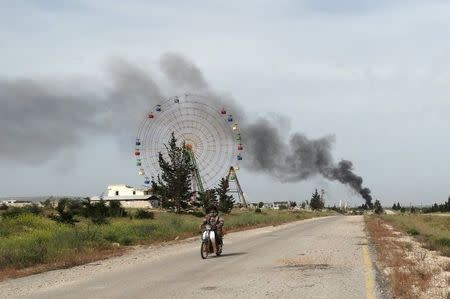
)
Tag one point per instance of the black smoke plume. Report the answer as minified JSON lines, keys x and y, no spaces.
{"x":39,"y":120}
{"x":298,"y":159}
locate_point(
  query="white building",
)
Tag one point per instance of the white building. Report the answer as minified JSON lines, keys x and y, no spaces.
{"x":130,"y":197}
{"x":277,"y":204}
{"x":268,"y":205}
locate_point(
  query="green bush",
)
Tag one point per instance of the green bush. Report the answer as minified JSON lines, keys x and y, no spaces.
{"x":66,"y":209}
{"x":413,"y":232}
{"x":198,"y":214}
{"x":16,"y":211}
{"x":143,"y":214}
{"x":258,"y":210}
{"x":443,"y":242}
{"x":116,"y":210}
{"x":98,"y":212}
{"x":378,"y":209}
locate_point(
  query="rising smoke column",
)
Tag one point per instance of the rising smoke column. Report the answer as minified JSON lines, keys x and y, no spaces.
{"x":40,"y":119}
{"x":343,"y":173}
{"x":298,"y":159}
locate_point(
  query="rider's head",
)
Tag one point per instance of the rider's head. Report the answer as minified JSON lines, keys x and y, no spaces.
{"x":213,"y":210}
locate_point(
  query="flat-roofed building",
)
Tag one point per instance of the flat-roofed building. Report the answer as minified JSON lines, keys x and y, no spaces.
{"x":130,"y":197}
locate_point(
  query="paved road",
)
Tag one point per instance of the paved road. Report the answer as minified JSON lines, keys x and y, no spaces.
{"x":317,"y":258}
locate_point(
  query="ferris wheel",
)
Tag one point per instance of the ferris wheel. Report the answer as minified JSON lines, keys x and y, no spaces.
{"x":211,"y":136}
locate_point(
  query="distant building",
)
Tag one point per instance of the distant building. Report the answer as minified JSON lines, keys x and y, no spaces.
{"x":15,"y":203}
{"x":268,"y":205}
{"x":277,"y":204}
{"x":253,"y":205}
{"x":343,"y":205}
{"x":130,"y":197}
{"x":8,"y":201}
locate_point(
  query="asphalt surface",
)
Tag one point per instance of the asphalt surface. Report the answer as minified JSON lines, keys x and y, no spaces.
{"x":316,"y":258}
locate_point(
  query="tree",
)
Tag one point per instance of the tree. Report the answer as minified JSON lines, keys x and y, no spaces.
{"x":378,"y":209}
{"x":435,"y":208}
{"x":159,"y":189}
{"x":363,"y":207}
{"x":116,"y":209}
{"x":143,"y":214}
{"x":207,"y":199}
{"x":47,"y":203}
{"x":97,"y":211}
{"x":316,"y":202}
{"x":174,"y":184}
{"x":282,"y":207}
{"x":226,"y":201}
{"x":292,"y":204}
{"x":87,"y":208}
{"x":260,"y":204}
{"x":64,"y":215}
{"x":396,"y":207}
{"x":66,"y":209}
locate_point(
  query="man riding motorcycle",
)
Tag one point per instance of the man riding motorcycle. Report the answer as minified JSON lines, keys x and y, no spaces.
{"x":217,"y":222}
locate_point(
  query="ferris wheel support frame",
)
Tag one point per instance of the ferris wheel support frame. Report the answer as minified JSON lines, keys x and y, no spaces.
{"x":232,"y":177}
{"x":197,"y":180}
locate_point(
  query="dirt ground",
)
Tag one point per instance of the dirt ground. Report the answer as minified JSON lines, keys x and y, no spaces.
{"x":414,"y":272}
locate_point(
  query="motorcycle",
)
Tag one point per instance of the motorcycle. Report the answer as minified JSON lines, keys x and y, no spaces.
{"x":209,"y":242}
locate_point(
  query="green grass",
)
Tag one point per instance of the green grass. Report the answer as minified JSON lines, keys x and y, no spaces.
{"x":237,"y":220}
{"x":28,"y":240}
{"x":432,"y":230}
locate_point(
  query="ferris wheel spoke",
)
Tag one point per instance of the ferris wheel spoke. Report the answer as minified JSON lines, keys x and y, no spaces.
{"x":193,"y":121}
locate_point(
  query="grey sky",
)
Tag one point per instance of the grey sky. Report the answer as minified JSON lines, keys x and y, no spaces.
{"x":375,"y":75}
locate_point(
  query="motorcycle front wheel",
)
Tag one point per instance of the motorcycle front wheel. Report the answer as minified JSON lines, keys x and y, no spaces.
{"x":204,"y":249}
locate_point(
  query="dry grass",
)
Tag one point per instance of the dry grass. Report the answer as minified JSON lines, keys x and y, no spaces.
{"x":447,"y":267}
{"x":407,"y":277}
